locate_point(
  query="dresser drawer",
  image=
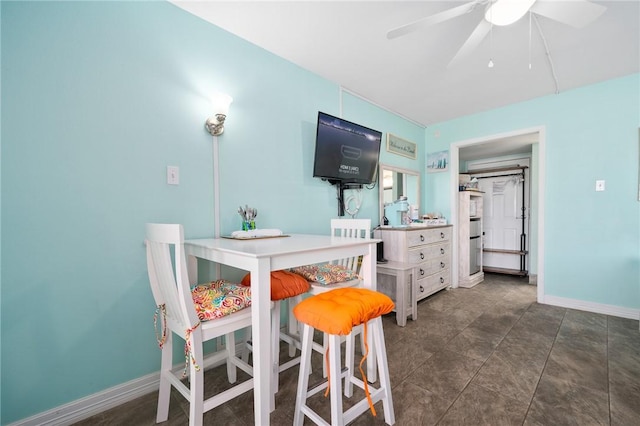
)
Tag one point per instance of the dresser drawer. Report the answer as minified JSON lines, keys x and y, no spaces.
{"x":432,"y":266}
{"x":420,"y":254}
{"x":427,"y":236}
{"x":432,"y":283}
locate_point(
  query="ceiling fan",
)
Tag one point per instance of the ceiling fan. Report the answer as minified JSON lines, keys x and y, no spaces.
{"x":576,"y":13}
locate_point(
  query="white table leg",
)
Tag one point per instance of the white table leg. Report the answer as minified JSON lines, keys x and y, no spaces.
{"x":368,"y":270}
{"x":261,"y":335}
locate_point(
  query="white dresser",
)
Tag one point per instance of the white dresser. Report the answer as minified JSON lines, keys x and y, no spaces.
{"x":428,"y":248}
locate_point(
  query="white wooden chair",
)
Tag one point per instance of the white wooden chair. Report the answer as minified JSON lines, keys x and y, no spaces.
{"x":176,"y":309}
{"x":349,"y":228}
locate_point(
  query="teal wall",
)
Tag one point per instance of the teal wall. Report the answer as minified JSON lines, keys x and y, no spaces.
{"x":98,"y":98}
{"x":591,"y":239}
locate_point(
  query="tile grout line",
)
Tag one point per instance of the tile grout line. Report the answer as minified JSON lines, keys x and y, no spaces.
{"x":483,"y":362}
{"x":492,"y":352}
{"x":544,"y":367}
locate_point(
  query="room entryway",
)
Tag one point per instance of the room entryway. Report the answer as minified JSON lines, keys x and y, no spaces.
{"x":506,"y":200}
{"x":506,"y":213}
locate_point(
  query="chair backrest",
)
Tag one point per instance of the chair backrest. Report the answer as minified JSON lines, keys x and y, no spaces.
{"x":168,"y":278}
{"x":351,"y":228}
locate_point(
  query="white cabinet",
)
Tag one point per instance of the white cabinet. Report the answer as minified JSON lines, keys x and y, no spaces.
{"x":470,"y":238}
{"x":427,"y":248}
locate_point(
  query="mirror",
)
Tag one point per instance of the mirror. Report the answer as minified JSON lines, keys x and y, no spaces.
{"x":394,"y":183}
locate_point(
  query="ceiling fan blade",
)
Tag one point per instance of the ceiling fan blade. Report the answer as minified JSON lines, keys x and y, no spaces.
{"x":433,"y":19}
{"x":473,"y":41}
{"x":576,"y":13}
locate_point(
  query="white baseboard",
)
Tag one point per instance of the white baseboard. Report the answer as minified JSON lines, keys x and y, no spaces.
{"x":91,"y":405}
{"x":598,"y":308}
{"x":94,"y":404}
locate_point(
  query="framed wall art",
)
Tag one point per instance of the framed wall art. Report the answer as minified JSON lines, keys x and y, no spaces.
{"x":401,"y":146}
{"x":438,"y":161}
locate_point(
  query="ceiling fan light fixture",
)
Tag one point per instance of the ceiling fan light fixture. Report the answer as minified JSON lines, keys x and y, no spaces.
{"x":506,"y":12}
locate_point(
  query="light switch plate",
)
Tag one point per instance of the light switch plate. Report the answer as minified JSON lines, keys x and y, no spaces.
{"x":599,"y":185}
{"x":173,"y":175}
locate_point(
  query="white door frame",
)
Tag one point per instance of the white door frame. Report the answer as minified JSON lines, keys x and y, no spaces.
{"x":538,"y":162}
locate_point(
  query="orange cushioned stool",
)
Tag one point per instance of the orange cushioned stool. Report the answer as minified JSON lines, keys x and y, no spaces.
{"x":336,"y":312}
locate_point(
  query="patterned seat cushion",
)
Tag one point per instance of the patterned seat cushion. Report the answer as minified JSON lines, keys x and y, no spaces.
{"x":219,"y":298}
{"x":326,"y":273}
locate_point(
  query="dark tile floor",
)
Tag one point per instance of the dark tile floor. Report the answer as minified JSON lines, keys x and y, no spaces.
{"x":489,"y":355}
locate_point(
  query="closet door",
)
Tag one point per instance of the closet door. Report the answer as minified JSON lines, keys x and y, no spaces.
{"x":502,"y":218}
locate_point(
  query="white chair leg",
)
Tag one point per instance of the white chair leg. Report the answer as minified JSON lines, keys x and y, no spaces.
{"x":293,"y":326}
{"x":303,"y":377}
{"x":275,"y":346}
{"x":196,"y":387}
{"x":383,"y":370}
{"x":349,"y":359}
{"x":245,"y":349}
{"x":372,"y":371}
{"x":335,"y":380}
{"x":162,"y":414}
{"x":230,"y":348}
{"x":325,"y":345}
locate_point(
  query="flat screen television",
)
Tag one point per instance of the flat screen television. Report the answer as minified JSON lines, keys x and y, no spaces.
{"x":346,"y":152}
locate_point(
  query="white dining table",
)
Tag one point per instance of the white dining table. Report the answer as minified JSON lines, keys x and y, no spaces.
{"x":260,"y":257}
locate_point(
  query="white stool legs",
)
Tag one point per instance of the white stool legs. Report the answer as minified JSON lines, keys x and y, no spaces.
{"x":338,"y":417}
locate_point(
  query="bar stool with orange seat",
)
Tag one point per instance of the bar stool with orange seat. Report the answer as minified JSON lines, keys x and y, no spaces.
{"x":336,"y":313}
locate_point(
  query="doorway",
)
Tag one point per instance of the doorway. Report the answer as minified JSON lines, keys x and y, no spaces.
{"x":505,"y":186}
{"x":502,"y":145}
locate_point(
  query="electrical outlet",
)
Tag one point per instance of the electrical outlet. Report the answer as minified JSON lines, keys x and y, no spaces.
{"x":173,"y":175}
{"x":599,"y":185}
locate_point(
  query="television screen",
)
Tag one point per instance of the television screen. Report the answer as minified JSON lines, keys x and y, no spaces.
{"x":345,"y":151}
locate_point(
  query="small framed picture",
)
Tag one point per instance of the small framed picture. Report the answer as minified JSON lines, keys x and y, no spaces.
{"x":438,"y":161}
{"x":401,"y":146}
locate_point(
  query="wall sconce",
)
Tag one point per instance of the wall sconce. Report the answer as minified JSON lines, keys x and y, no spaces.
{"x":220,"y":107}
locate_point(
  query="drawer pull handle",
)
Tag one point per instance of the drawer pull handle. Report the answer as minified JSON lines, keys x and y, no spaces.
{"x":421,"y":255}
{"x":442,"y":265}
{"x":442,"y":235}
{"x":421,"y":237}
{"x":421,"y":271}
{"x":441,"y":250}
{"x":441,"y":280}
{"x":421,"y":289}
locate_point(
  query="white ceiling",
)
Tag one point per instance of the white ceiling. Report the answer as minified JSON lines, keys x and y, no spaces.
{"x":346,"y":42}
